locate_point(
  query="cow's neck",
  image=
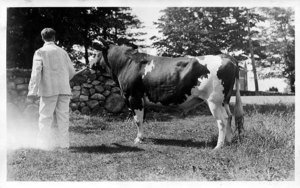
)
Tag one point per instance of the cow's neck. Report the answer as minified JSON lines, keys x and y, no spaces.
{"x":105,"y":54}
{"x":112,"y":73}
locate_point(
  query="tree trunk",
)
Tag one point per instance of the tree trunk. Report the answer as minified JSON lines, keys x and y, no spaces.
{"x":86,"y":53}
{"x":252,"y":55}
{"x":86,"y":38}
{"x":104,"y":34}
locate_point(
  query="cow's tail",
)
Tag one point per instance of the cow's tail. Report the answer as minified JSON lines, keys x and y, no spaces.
{"x":238,"y":109}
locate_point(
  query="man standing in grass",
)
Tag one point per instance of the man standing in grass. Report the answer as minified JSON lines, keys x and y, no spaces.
{"x":52,"y":71}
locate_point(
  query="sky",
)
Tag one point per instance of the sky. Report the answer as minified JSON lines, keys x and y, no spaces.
{"x":148,"y":15}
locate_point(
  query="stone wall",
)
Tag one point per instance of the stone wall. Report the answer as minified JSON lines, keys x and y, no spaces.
{"x":17,"y":89}
{"x":93,"y":92}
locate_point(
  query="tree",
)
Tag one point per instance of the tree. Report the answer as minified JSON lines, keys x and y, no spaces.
{"x":73,"y":26}
{"x":252,"y":53}
{"x":201,"y":31}
{"x":192,"y":31}
{"x":246,"y":19}
{"x":22,"y":35}
{"x":279,"y":38}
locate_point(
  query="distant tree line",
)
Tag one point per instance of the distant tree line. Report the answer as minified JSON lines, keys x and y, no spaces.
{"x":73,"y":26}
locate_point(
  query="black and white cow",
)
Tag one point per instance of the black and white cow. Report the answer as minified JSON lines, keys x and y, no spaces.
{"x":182,"y":81}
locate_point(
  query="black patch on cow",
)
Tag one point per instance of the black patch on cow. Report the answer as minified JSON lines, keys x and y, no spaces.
{"x":202,"y":76}
{"x":172,"y":79}
{"x":135,"y":103}
{"x":226,"y":73}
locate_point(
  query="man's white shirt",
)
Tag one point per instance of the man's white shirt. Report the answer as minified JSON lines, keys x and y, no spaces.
{"x":52,"y":70}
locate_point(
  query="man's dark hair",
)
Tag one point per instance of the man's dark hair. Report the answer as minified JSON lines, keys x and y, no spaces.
{"x":48,"y":34}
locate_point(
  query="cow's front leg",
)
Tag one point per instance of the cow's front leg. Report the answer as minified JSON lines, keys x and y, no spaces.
{"x":137,"y":106}
{"x":138,"y":119}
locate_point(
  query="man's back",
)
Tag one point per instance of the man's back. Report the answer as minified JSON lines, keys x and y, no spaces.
{"x":57,"y":70}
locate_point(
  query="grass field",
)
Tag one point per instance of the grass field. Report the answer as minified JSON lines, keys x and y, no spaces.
{"x":175,"y":148}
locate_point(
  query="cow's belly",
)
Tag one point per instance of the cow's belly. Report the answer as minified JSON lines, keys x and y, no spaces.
{"x":187,"y":105}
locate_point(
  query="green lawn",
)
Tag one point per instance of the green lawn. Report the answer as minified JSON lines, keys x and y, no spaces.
{"x":175,"y":148}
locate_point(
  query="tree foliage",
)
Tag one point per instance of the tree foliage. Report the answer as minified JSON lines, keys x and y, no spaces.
{"x":279,"y":41}
{"x":200,"y":31}
{"x":73,"y":26}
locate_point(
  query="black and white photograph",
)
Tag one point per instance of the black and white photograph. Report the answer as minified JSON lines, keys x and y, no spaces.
{"x":187,"y":93}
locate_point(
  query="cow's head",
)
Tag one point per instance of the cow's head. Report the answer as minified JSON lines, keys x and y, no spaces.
{"x":112,"y":57}
{"x":99,"y":63}
{"x":95,"y":63}
{"x":101,"y":44}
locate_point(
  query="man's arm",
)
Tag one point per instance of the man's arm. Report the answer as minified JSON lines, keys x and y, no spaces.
{"x":71,"y":68}
{"x":80,"y":71}
{"x":36,"y":72}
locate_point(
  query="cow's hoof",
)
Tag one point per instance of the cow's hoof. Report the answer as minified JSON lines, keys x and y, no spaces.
{"x":219,"y":146}
{"x":216,"y":148}
{"x":229,"y":138}
{"x":138,"y":141}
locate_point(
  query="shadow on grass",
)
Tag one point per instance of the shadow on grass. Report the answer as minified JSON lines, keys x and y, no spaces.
{"x":167,"y":113}
{"x":184,"y":143}
{"x":86,"y":130}
{"x":116,"y":148}
{"x":161,"y":116}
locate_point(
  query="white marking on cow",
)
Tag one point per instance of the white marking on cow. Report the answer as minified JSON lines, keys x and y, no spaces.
{"x":138,"y":119}
{"x":148,"y":68}
{"x":210,"y":87}
{"x":139,"y":114}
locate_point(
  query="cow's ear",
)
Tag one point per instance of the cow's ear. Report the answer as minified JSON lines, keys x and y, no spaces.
{"x":98,"y":45}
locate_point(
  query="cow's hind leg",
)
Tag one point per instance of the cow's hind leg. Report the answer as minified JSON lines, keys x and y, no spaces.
{"x":219,"y":112}
{"x":137,"y":106}
{"x":229,"y":134}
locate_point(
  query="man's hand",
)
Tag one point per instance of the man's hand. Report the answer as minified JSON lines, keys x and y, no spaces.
{"x":31,"y":98}
{"x":82,"y":70}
